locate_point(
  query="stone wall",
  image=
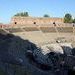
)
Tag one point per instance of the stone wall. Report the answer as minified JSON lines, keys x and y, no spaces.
{"x":34,"y":20}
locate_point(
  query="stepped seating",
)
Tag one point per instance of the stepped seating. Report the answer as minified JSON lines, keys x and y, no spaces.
{"x":65,"y":29}
{"x":47,"y":29}
{"x":2,"y":31}
{"x":31,"y":29}
{"x":14,"y":30}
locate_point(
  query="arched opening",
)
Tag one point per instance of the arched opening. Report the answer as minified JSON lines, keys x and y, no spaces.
{"x":34,"y":22}
{"x":54,"y":23}
{"x":73,"y":25}
{"x":15,"y":22}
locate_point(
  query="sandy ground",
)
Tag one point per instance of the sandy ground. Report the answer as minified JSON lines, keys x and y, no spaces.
{"x":40,"y":38}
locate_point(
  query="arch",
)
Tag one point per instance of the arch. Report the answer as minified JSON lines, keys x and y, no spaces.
{"x":34,"y":22}
{"x":15,"y":22}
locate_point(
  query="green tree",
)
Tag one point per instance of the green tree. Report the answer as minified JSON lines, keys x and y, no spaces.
{"x":67,"y":18}
{"x":23,"y":14}
{"x":46,"y":15}
{"x":74,"y":20}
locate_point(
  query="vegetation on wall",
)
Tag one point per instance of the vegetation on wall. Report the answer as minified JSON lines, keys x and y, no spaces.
{"x":74,"y":20}
{"x":68,"y":18}
{"x":23,"y":14}
{"x":46,"y":15}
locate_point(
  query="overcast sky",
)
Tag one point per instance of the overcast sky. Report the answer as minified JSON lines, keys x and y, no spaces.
{"x":55,"y":8}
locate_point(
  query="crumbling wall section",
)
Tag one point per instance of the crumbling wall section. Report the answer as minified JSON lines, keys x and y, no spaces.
{"x":34,"y":20}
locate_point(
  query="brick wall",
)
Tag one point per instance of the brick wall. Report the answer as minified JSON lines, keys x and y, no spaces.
{"x":34,"y":20}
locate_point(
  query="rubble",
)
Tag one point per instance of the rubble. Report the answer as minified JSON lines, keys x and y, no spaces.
{"x":18,"y":56}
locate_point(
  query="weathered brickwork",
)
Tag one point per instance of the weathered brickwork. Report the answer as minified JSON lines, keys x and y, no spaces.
{"x":35,"y":20}
{"x":22,"y":22}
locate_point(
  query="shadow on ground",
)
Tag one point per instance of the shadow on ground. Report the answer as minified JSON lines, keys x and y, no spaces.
{"x":22,"y":57}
